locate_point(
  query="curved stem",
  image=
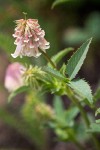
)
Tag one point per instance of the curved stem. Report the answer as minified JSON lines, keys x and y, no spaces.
{"x":48,"y":58}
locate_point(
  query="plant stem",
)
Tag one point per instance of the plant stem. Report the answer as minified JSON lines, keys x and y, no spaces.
{"x":85,"y":117}
{"x":48,"y":58}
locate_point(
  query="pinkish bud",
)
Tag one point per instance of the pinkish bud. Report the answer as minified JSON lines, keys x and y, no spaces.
{"x":13,"y":78}
{"x":29,"y":38}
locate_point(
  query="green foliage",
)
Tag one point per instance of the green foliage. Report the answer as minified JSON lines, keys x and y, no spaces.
{"x":97,"y":112}
{"x":56,"y":2}
{"x":63,"y":69}
{"x":94,"y":127}
{"x":58,"y":105}
{"x":82,"y":88}
{"x":80,"y":131}
{"x":59,"y":108}
{"x":35,"y":115}
{"x":57,"y":58}
{"x":55,"y":74}
{"x":64,"y":117}
{"x":98,"y":121}
{"x":17,"y":91}
{"x":71,"y":114}
{"x":54,"y":85}
{"x":77,"y":59}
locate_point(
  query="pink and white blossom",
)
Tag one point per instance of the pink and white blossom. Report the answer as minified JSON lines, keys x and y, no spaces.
{"x":29,"y":38}
{"x":13,"y":77}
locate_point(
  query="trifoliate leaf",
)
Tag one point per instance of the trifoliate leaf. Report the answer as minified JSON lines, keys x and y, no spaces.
{"x":77,"y":59}
{"x":83,"y":89}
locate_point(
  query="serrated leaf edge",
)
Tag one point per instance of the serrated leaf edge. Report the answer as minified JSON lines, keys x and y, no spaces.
{"x":75,"y":53}
{"x":89,"y":87}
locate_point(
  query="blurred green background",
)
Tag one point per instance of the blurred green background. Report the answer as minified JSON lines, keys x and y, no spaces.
{"x":68,"y":24}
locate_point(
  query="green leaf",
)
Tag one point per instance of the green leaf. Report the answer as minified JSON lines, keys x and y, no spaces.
{"x":55,"y":74}
{"x":63,"y":69}
{"x":94,"y":127}
{"x":64,"y":117}
{"x":83,"y":89}
{"x":59,"y":111}
{"x":58,"y":106}
{"x":56,"y":2}
{"x":98,"y":121}
{"x":97,"y":112}
{"x":16,"y":92}
{"x":71,"y":114}
{"x":56,"y":58}
{"x":77,"y":59}
{"x":80,"y":131}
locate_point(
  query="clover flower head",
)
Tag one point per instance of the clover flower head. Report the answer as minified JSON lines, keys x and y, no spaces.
{"x":29,"y":38}
{"x":13,"y":77}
